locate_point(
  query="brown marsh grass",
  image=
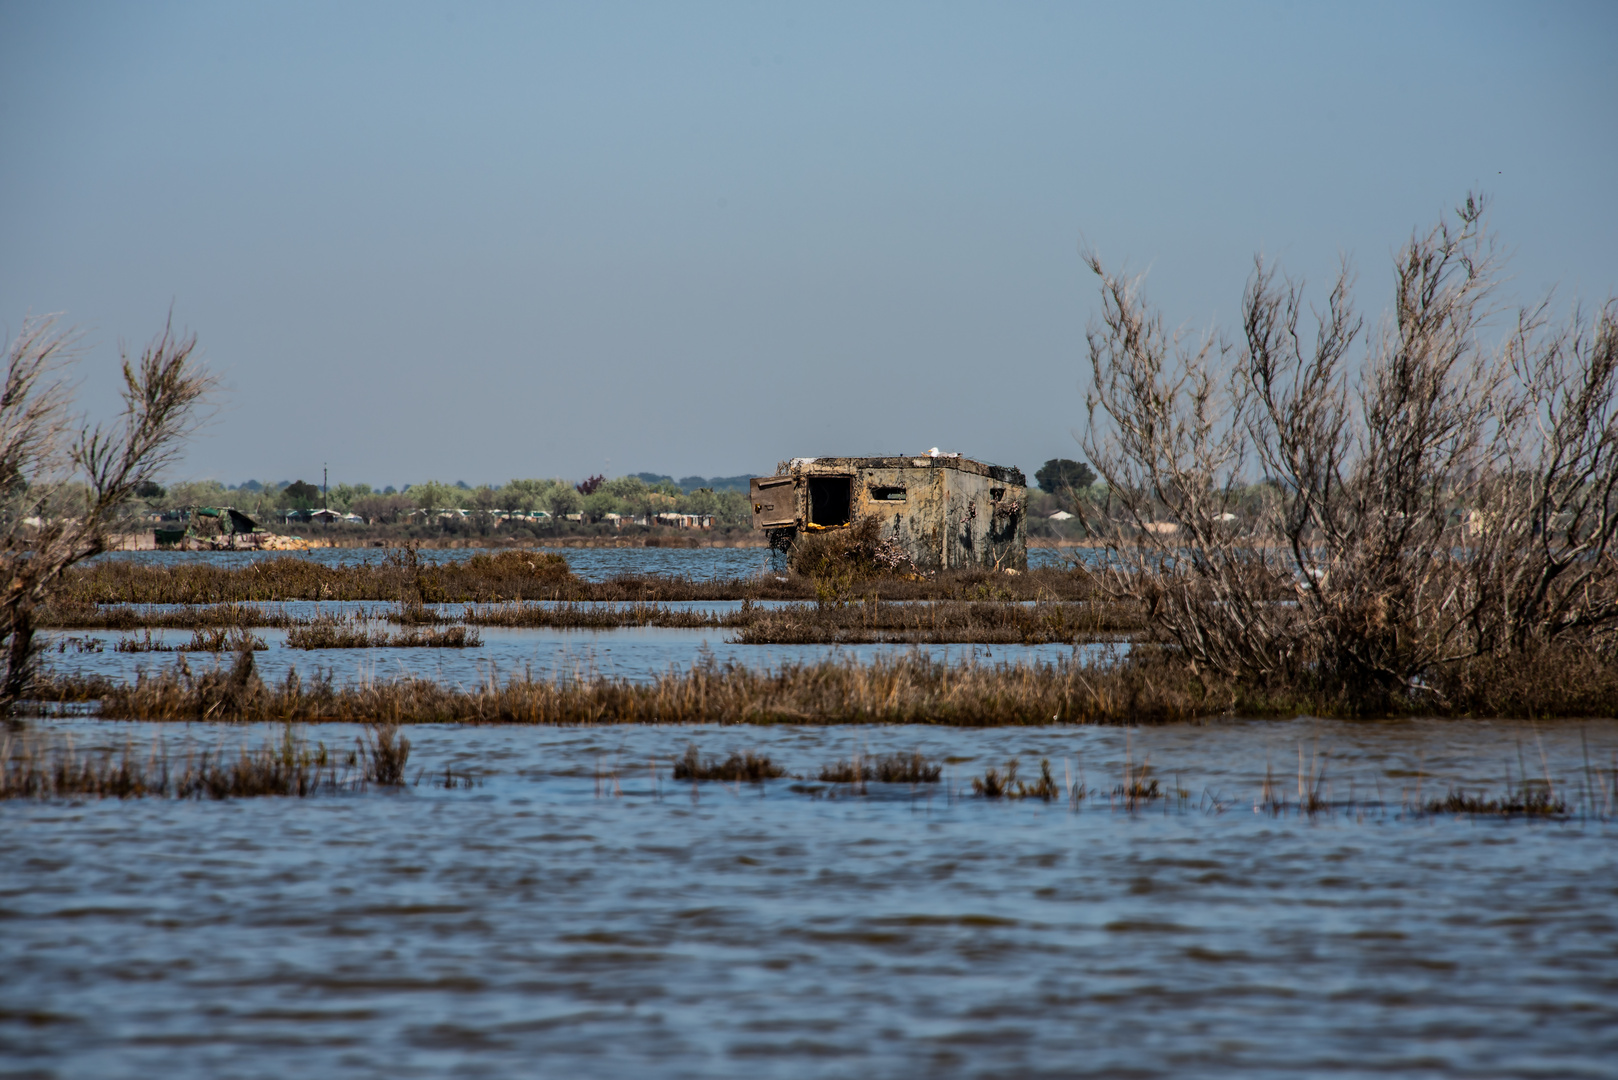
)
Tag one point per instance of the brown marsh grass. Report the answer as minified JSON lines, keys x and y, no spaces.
{"x":1148,"y":685}
{"x":908,"y":690}
{"x":327,"y":631}
{"x":870,"y":620}
{"x":73,"y":616}
{"x":401,"y":576}
{"x":215,"y":640}
{"x":939,"y":622}
{"x":589,"y":616}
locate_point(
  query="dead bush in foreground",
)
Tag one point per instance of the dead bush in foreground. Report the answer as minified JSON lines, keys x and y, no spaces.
{"x":64,"y":483}
{"x":1365,"y":513}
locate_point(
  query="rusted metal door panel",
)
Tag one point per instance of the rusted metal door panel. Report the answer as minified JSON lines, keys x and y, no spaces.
{"x":775,"y":502}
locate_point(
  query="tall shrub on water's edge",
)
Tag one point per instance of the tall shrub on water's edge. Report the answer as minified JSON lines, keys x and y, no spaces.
{"x":1425,"y":498}
{"x":65,"y":483}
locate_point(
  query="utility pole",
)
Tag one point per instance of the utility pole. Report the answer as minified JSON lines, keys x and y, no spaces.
{"x":324,"y":476}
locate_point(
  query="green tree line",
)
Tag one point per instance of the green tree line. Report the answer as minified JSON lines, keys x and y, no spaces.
{"x":629,"y":496}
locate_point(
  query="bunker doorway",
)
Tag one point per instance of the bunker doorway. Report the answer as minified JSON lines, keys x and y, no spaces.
{"x":829,"y":500}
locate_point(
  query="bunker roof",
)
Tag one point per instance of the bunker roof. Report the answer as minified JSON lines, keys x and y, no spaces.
{"x":1004,"y":474}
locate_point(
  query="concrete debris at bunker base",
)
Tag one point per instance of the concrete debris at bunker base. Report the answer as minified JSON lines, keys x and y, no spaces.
{"x":253,"y":541}
{"x":943,"y":510}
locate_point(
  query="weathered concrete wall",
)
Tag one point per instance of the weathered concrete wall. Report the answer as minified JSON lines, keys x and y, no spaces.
{"x":946,"y":512}
{"x":985,"y":522}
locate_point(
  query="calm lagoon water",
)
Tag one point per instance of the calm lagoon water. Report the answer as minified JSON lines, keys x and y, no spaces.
{"x":577,"y":915}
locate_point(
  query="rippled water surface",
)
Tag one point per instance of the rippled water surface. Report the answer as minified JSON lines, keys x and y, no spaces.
{"x":580,"y":914}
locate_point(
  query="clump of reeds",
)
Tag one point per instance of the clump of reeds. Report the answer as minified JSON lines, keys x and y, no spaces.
{"x":203,"y":639}
{"x":144,"y":643}
{"x":417,"y":614}
{"x":590,"y":616}
{"x":447,"y":637}
{"x":1537,"y":802}
{"x":998,"y":784}
{"x":32,"y":768}
{"x":1138,"y":788}
{"x":386,"y":755}
{"x":895,"y":768}
{"x":739,"y":766}
{"x":327,"y":631}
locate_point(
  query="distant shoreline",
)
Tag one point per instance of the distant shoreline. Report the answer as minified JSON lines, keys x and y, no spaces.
{"x":122,"y":543}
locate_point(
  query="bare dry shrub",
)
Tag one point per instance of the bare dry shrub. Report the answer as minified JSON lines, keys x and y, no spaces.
{"x":64,"y":483}
{"x":1360,"y":511}
{"x":855,"y":553}
{"x":386,"y":753}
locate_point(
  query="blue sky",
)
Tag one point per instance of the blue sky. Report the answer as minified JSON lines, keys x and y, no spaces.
{"x":479,"y":242}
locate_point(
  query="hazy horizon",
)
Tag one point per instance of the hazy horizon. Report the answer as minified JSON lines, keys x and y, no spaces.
{"x":439,"y":242}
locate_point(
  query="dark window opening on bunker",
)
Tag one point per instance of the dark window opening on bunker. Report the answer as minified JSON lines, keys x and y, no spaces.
{"x":887,"y":494}
{"x":997,"y":494}
{"x":829,"y":498}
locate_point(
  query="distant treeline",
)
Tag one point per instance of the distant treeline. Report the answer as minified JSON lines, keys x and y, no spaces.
{"x":640,"y":495}
{"x":594,"y":498}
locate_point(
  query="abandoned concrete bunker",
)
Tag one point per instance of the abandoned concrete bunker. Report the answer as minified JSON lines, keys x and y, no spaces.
{"x":945,"y":511}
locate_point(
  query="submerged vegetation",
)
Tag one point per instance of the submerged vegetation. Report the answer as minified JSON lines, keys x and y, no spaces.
{"x":997,"y":784}
{"x":895,"y":768}
{"x":739,"y":766}
{"x":351,"y":632}
{"x":44,"y":765}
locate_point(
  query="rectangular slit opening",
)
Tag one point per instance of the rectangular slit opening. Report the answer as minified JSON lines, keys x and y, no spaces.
{"x":829,"y":498}
{"x":887,"y":494}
